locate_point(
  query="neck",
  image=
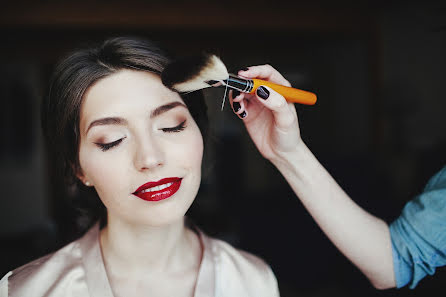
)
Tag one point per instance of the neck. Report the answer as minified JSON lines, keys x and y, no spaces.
{"x":129,"y":249}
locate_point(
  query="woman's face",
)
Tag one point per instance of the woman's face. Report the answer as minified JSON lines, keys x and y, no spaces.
{"x":140,"y":148}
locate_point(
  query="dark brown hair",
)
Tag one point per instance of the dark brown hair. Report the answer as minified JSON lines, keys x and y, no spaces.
{"x":61,"y":107}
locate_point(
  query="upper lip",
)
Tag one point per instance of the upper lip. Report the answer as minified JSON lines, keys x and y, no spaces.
{"x":157,"y":183}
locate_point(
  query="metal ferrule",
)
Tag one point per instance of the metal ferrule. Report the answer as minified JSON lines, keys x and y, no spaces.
{"x":238,"y":83}
{"x":234,"y":82}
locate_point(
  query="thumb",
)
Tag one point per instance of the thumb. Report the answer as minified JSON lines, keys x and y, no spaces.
{"x":284,"y":112}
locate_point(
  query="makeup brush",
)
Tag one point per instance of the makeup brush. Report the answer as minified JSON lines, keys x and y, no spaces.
{"x":207,"y":70}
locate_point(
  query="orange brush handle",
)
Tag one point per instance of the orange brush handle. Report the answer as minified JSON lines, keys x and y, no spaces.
{"x":290,"y":94}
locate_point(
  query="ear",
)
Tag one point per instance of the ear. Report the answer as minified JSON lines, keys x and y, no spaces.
{"x":80,"y":175}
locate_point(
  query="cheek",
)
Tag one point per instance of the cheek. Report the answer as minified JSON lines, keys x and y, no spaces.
{"x":107,"y":176}
{"x":99,"y":169}
{"x":191,"y":152}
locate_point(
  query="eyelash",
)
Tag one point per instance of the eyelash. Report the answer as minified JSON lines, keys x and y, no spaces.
{"x":178,"y":128}
{"x":106,"y":146}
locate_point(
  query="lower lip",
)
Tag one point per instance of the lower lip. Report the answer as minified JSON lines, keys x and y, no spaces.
{"x":161,"y":194}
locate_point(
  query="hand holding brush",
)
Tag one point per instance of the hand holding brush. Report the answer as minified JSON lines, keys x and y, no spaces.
{"x":270,"y":120}
{"x":204,"y":71}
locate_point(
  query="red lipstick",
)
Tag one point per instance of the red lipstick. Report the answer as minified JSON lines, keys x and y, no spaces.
{"x":159,"y":190}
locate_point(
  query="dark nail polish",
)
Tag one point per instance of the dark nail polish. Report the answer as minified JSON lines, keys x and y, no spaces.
{"x":243,"y":114}
{"x":262,"y":92}
{"x":244,"y":69}
{"x":235,"y":93}
{"x":236,"y":106}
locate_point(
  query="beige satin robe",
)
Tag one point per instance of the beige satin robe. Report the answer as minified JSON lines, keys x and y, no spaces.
{"x":78,"y":270}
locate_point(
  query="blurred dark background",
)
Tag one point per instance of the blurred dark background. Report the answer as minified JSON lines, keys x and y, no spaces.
{"x":378,"y":68}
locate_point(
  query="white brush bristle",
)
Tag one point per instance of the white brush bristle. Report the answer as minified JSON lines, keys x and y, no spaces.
{"x":214,"y":70}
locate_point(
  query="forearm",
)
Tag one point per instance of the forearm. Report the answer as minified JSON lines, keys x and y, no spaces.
{"x":364,"y":239}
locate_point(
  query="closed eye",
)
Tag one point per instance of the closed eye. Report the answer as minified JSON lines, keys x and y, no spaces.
{"x":178,"y":128}
{"x":106,"y":146}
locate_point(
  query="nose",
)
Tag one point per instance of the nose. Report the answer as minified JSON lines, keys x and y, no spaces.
{"x":149,"y":155}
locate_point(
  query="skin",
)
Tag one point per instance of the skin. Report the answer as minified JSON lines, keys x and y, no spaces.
{"x":146,"y":248}
{"x":274,"y":128}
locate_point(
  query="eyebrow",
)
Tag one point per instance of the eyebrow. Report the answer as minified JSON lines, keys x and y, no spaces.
{"x":120,"y":121}
{"x":163,"y":108}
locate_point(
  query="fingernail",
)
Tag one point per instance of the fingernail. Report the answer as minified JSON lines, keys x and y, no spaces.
{"x":242,"y":115}
{"x":263,"y":92}
{"x":244,"y":69}
{"x":236,"y":106}
{"x":235,"y":93}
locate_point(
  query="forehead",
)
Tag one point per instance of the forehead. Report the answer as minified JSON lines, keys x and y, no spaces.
{"x":125,"y":93}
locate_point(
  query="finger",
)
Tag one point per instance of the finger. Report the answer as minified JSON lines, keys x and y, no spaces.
{"x":284,"y":113}
{"x":235,"y":95}
{"x":237,"y":104}
{"x":240,"y":110}
{"x":238,"y":107}
{"x":243,"y":115}
{"x":266,"y":72}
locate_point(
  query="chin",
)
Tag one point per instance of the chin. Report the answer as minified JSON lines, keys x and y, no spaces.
{"x":162,"y":213}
